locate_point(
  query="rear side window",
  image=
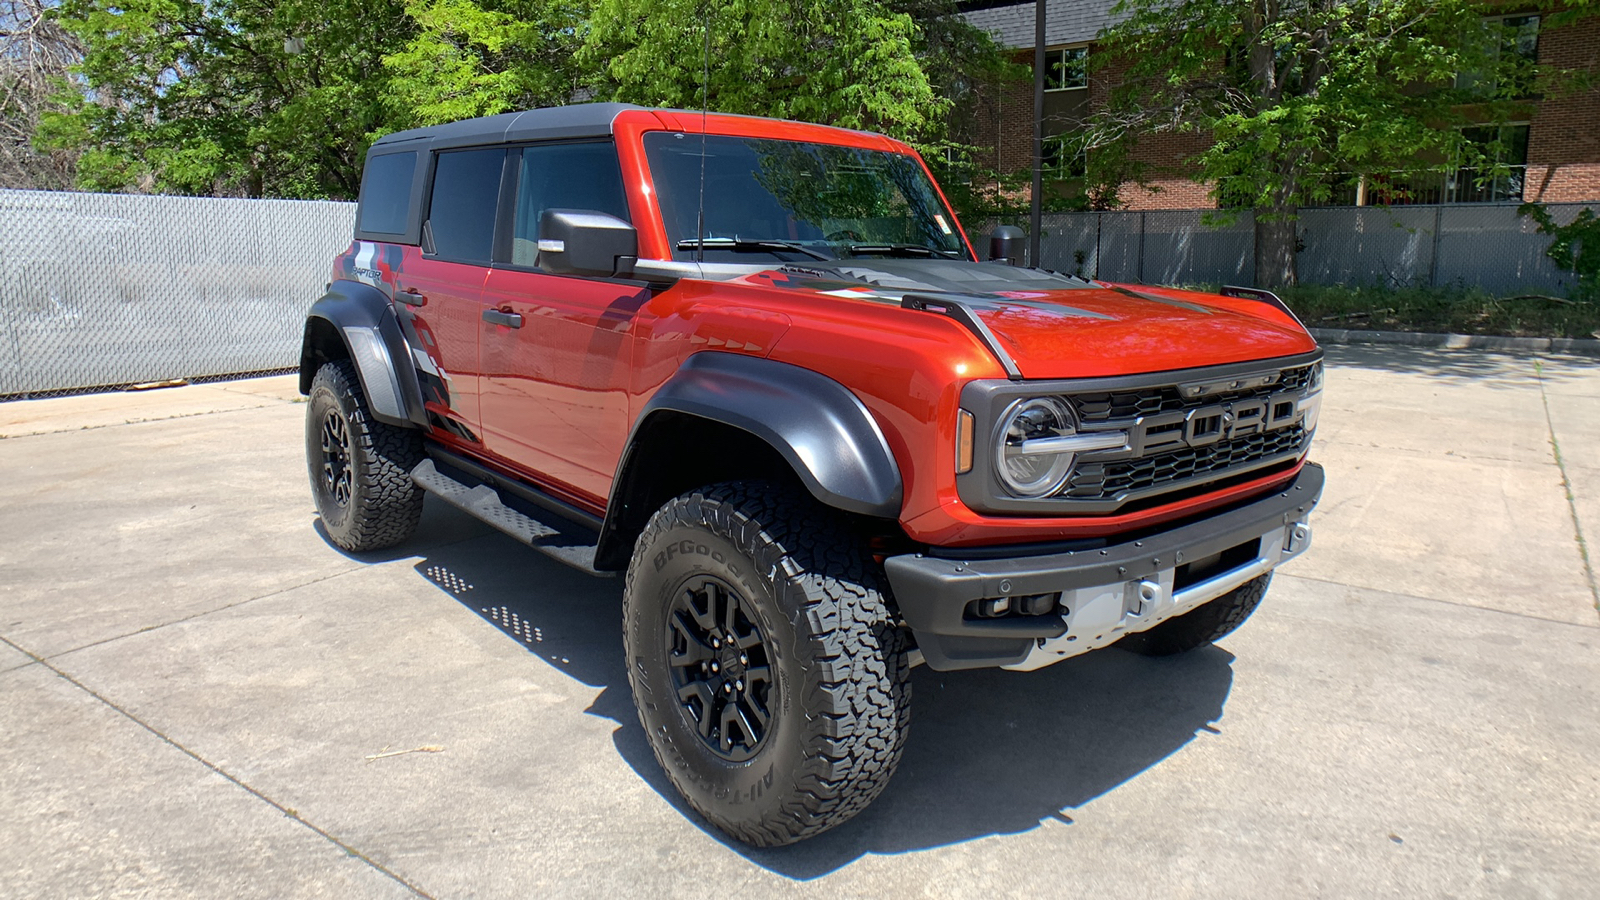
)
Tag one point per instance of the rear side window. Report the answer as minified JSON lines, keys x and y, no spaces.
{"x":564,"y":176}
{"x":466,"y":191}
{"x":386,"y":192}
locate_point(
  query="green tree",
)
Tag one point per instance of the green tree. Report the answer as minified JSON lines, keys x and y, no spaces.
{"x":850,"y":63}
{"x":252,"y":97}
{"x":1298,"y":94}
{"x":481,"y":57}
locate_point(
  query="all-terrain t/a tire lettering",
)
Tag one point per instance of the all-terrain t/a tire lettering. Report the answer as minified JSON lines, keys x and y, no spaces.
{"x":820,"y":733}
{"x":360,"y":468}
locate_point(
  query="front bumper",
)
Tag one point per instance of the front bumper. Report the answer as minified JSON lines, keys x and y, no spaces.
{"x":1103,"y":593}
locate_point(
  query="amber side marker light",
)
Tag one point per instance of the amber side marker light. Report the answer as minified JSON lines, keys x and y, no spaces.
{"x":963,"y":443}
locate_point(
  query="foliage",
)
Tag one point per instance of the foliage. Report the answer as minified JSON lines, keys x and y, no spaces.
{"x":282,"y":98}
{"x":250,"y":97}
{"x":1575,"y":247}
{"x":1299,"y":94}
{"x":837,"y":62}
{"x":1451,"y":309}
{"x":36,"y":56}
{"x":481,"y":57}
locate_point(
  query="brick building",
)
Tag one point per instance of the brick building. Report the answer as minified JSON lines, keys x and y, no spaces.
{"x":1553,"y":154}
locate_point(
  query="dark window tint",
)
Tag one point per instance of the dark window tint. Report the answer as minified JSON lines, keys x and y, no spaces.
{"x":386,"y":192}
{"x":466,"y":190}
{"x":564,"y":176}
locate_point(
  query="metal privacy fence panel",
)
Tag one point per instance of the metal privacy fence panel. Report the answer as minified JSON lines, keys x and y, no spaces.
{"x":1181,"y":249}
{"x":1486,"y":245}
{"x":105,"y":289}
{"x":1391,"y":246}
{"x":1498,"y":250}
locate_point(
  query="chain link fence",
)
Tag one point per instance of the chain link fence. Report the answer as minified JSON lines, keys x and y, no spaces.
{"x":107,"y":289}
{"x":1481,"y":245}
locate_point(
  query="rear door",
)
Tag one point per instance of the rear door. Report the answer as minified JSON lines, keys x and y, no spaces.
{"x":557,"y":349}
{"x":442,"y":288}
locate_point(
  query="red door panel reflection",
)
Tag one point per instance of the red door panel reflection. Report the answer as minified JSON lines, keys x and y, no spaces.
{"x":555,"y":391}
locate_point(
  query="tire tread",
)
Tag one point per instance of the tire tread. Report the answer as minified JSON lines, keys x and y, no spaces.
{"x":857,"y":699}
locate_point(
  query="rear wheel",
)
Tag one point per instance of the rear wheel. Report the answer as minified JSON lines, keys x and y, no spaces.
{"x":360,"y":468}
{"x":1211,"y":622}
{"x":769,"y":676}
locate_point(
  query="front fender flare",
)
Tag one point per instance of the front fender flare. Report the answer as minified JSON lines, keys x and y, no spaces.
{"x":822,"y":429}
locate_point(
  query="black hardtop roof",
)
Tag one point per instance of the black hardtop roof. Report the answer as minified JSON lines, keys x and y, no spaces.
{"x":578,"y":121}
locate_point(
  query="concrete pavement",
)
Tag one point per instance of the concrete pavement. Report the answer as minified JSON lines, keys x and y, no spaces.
{"x":192,"y":681}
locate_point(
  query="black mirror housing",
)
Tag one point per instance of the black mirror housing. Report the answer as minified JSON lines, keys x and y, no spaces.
{"x":586,"y":242}
{"x":1006,"y":244}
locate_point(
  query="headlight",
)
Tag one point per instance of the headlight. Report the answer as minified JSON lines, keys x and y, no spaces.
{"x":1028,"y":462}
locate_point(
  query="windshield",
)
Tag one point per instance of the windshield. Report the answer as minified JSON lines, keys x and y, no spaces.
{"x":796,"y":201}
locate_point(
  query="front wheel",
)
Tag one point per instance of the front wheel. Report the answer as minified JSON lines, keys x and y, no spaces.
{"x":770,"y":678}
{"x":1213,"y":621}
{"x":360,"y":467}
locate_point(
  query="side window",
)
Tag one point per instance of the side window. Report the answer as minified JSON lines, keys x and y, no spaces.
{"x":386,"y":193}
{"x":466,"y":191}
{"x":564,"y":176}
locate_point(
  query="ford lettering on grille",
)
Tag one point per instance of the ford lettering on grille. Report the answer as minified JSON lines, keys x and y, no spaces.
{"x":1209,"y":424}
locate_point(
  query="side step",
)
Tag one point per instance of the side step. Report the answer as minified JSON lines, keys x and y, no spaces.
{"x":563,"y":542}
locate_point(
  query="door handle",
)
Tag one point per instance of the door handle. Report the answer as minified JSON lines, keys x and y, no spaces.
{"x":508,"y":319}
{"x":410,"y":297}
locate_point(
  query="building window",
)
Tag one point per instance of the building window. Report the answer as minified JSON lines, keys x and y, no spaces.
{"x":1064,"y":157}
{"x":1500,"y":179}
{"x":1511,"y":44}
{"x":1066,"y":69}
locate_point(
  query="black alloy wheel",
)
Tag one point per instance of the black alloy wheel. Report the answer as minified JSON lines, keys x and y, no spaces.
{"x":721,"y":667}
{"x":336,"y":471}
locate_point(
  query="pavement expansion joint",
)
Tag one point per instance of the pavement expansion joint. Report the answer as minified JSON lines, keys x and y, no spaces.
{"x":358,"y":567}
{"x":174,"y":416}
{"x":287,"y":811}
{"x":16,"y":668}
{"x":1422,"y":599}
{"x":1566,"y":486}
{"x":203,"y":613}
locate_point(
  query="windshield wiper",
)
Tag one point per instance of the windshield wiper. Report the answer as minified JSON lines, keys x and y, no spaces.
{"x":899,"y":250}
{"x":740,"y":245}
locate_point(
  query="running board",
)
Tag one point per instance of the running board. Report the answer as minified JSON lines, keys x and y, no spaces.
{"x":561,"y":542}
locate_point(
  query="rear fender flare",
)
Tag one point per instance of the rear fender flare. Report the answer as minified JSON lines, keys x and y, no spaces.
{"x":371,"y":337}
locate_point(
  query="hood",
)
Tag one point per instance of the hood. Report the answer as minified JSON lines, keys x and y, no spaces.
{"x":1056,"y":326}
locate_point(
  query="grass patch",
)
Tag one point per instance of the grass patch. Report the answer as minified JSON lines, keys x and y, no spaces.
{"x":1458,"y":310}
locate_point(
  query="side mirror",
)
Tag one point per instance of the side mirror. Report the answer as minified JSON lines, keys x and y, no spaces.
{"x":586,"y":242}
{"x":1006,"y":244}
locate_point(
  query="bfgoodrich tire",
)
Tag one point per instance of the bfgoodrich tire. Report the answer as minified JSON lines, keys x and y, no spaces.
{"x":770,"y":679}
{"x":1211,"y":622}
{"x":360,"y":468}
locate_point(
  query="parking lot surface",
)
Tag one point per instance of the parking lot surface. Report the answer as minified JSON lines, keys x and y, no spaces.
{"x":200,"y":696}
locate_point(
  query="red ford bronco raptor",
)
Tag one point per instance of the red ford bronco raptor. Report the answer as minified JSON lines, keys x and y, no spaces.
{"x":757,"y":366}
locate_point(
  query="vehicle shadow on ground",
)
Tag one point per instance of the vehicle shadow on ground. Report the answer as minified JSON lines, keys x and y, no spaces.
{"x":991,"y":752}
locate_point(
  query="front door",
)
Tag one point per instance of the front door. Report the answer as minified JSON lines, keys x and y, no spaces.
{"x":557,"y":350}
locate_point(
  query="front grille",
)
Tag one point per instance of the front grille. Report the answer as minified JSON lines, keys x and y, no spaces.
{"x":1105,"y":481}
{"x":1106,"y":407}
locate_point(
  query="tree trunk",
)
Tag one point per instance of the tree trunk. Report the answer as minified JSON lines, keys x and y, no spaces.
{"x":1277,"y":230}
{"x":1276,"y":240}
